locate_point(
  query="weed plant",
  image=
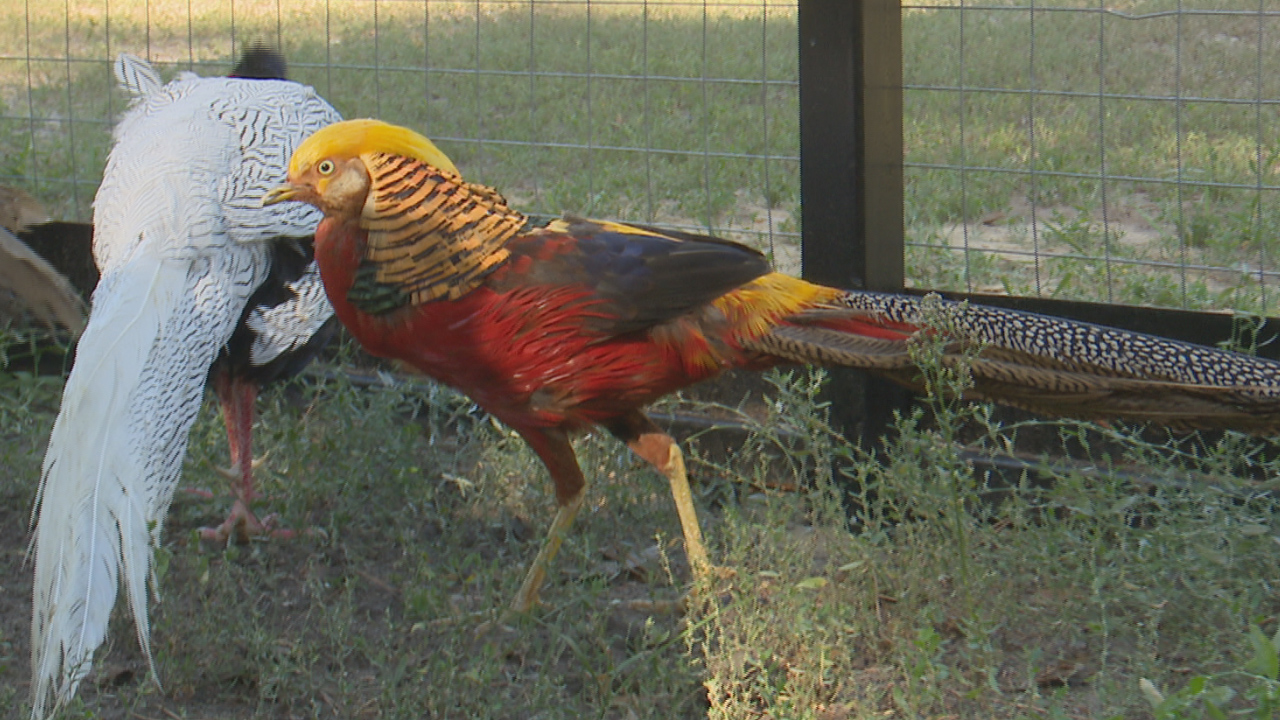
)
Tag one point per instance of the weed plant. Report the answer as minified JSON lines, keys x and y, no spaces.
{"x":868,"y":581}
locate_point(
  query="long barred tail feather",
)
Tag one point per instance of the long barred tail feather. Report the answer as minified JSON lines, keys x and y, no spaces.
{"x":1043,"y":364}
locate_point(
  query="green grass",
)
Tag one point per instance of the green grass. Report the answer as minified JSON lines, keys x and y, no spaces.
{"x":476,"y":96}
{"x":902,"y":585}
{"x":585,"y":135}
{"x":1201,"y":143}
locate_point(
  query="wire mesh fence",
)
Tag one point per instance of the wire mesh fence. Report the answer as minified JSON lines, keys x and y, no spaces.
{"x":1112,"y":151}
{"x":668,"y":111}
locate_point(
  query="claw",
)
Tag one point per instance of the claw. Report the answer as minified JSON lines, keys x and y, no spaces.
{"x":242,"y":526}
{"x":235,"y":475}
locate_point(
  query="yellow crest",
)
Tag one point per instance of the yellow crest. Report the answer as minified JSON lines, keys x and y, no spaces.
{"x":352,"y":138}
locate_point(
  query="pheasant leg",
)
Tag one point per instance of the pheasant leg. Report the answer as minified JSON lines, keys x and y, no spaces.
{"x":664,"y":454}
{"x":527,"y":596}
{"x":661,"y":451}
{"x":237,"y":398}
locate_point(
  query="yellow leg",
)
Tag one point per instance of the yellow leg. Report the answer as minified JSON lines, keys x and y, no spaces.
{"x":661,"y":451}
{"x":694,"y":549}
{"x":527,"y":597}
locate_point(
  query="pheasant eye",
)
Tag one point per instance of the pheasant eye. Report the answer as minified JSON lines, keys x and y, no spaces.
{"x":325,"y":167}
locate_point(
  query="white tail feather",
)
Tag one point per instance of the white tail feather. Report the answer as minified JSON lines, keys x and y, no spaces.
{"x":177,"y":225}
{"x":80,"y":544}
{"x":114,"y":457}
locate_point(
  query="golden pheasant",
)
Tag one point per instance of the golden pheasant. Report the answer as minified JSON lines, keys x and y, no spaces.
{"x":563,"y":326}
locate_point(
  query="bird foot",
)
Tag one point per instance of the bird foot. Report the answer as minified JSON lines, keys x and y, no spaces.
{"x":242,"y":525}
{"x":707,"y":576}
{"x":710,"y":581}
{"x":703,"y":590}
{"x":235,"y":475}
{"x":656,"y":607}
{"x":486,"y":621}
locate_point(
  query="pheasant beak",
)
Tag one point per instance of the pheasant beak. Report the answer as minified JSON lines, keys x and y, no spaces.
{"x":280,"y":194}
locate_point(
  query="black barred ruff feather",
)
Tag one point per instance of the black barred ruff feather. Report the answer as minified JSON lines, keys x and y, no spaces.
{"x":432,"y":235}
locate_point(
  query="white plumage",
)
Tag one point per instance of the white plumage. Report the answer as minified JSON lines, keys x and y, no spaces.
{"x":180,"y":239}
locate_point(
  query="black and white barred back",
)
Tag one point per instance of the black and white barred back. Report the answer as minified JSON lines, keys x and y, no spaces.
{"x":288,"y":319}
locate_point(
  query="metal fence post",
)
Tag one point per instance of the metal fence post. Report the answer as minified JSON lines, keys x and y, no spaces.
{"x":851,"y":173}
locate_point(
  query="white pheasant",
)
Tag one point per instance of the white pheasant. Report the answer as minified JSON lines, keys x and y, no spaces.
{"x":183,"y":242}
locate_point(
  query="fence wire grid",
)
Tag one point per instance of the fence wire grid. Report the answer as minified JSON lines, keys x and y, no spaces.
{"x":1112,"y":151}
{"x":1109,"y":151}
{"x":672,"y":112}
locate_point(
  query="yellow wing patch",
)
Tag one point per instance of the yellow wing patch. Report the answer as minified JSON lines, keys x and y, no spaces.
{"x":750,"y":311}
{"x":758,"y":305}
{"x":566,"y":225}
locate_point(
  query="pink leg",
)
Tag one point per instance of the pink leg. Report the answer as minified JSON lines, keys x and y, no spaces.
{"x":237,"y":398}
